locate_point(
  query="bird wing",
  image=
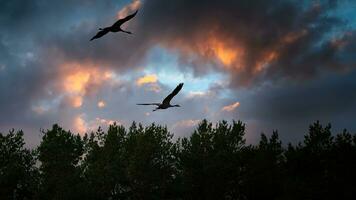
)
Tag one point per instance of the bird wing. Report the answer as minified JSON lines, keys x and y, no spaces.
{"x":171,"y":95}
{"x":119,"y":22}
{"x":100,"y":34}
{"x":146,"y":104}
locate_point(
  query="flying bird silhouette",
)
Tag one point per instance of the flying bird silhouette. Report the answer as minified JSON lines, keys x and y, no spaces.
{"x":166,"y":103}
{"x":116,"y":27}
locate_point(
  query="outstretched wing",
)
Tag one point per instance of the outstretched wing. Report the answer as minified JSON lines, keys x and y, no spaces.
{"x":100,"y":34}
{"x":123,"y":20}
{"x":171,"y":95}
{"x":146,"y":104}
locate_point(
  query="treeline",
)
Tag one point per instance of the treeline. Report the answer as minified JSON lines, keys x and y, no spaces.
{"x":145,"y":163}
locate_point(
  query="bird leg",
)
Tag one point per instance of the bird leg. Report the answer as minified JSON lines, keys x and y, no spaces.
{"x":128,"y":32}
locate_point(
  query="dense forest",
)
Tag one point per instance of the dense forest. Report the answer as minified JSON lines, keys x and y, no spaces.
{"x":214,"y":162}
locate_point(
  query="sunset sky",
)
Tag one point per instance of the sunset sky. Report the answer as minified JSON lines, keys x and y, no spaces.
{"x":274,"y":64}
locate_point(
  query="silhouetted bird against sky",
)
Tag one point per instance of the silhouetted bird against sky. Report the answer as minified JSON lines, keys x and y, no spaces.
{"x":166,"y":103}
{"x":114,"y":28}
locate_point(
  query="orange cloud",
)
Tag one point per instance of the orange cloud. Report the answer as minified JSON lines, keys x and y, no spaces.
{"x":231,"y":107}
{"x":222,"y":50}
{"x":212,"y":47}
{"x":76,"y":101}
{"x":234,"y":54}
{"x":266,"y":59}
{"x":150,"y":78}
{"x":79,"y":79}
{"x":79,"y":124}
{"x":293,"y":36}
{"x":76,"y":82}
{"x":227,"y":55}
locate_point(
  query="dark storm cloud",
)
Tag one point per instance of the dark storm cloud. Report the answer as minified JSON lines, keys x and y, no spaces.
{"x":21,"y":82}
{"x":315,"y":100}
{"x":278,"y":39}
{"x":296,"y":41}
{"x":28,"y":64}
{"x":290,"y":37}
{"x":292,"y":107}
{"x":295,"y":33}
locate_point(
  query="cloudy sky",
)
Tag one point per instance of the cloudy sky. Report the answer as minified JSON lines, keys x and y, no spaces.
{"x":274,"y":64}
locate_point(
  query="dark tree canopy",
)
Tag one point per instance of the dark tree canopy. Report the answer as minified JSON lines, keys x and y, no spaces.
{"x":214,"y":162}
{"x":18,"y":174}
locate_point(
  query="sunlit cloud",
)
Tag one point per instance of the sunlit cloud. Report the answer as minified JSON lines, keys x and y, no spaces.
{"x":101,"y":104}
{"x":81,"y":79}
{"x":186,"y":123}
{"x":76,"y":82}
{"x":102,"y":122}
{"x":202,"y":94}
{"x":196,"y":94}
{"x":226,"y":54}
{"x":76,"y":101}
{"x":231,"y":107}
{"x":93,"y":125}
{"x":78,"y":78}
{"x":80,"y":124}
{"x":212,"y":47}
{"x":266,"y":59}
{"x":150,"y":78}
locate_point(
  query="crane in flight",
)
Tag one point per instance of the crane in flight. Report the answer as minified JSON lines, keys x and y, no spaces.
{"x":116,"y":27}
{"x":166,"y":103}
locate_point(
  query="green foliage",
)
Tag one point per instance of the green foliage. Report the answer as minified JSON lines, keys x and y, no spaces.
{"x":146,"y":163}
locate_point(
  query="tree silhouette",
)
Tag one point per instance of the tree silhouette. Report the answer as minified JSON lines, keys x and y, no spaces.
{"x":214,"y":162}
{"x":150,"y":156}
{"x":263,"y":175}
{"x":59,"y":153}
{"x":105,"y":163}
{"x":210,"y":156}
{"x":18,"y":174}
